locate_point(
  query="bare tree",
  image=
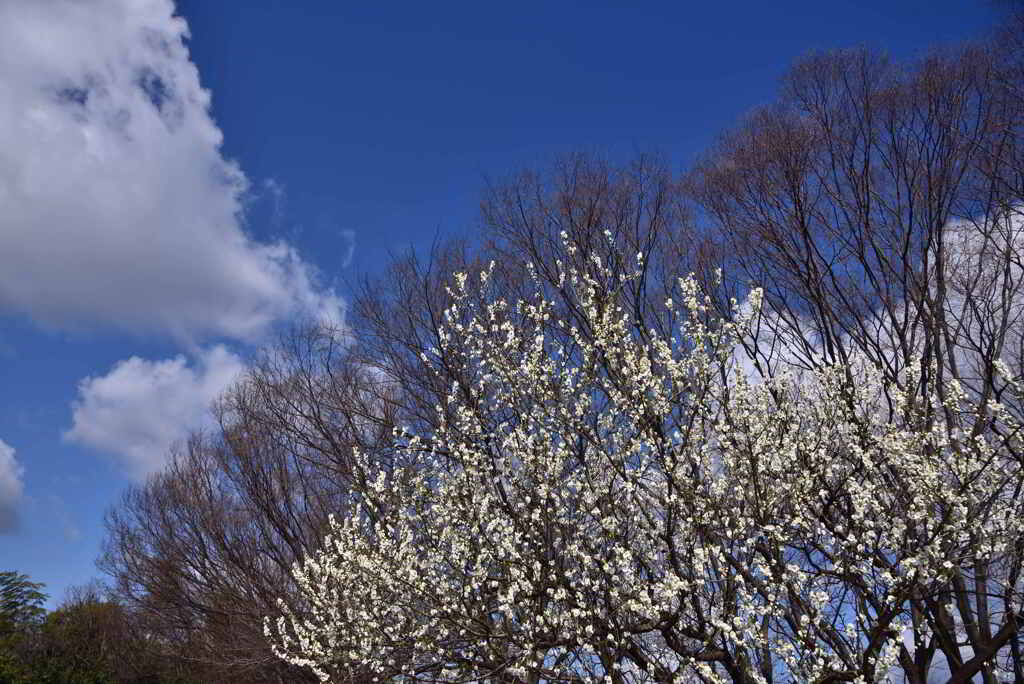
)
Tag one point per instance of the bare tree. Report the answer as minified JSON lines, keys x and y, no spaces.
{"x":204,"y":549}
{"x":881,"y":208}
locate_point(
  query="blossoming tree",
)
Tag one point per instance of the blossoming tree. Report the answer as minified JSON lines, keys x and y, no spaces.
{"x":604,"y":501}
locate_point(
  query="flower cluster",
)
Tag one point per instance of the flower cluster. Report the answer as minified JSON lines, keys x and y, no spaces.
{"x":603,"y":504}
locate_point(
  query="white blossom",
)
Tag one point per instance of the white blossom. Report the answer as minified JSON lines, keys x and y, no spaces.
{"x":643,"y":510}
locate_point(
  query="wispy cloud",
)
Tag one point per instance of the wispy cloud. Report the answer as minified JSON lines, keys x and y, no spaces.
{"x":349,"y":236}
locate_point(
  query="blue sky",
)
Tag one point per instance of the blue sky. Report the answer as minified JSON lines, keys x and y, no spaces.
{"x":164,"y":205}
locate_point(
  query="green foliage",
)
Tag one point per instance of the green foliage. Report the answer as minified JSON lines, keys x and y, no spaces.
{"x":87,"y":640}
{"x":76,"y":644}
{"x":21,"y":613}
{"x":21,"y":601}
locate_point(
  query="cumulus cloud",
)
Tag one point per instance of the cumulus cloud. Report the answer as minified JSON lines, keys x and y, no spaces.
{"x":11,"y":487}
{"x":141,"y":407}
{"x":119,"y":209}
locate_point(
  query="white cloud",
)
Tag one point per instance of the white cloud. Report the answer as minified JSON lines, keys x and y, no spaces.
{"x":141,"y":407}
{"x":11,"y":487}
{"x":119,"y":209}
